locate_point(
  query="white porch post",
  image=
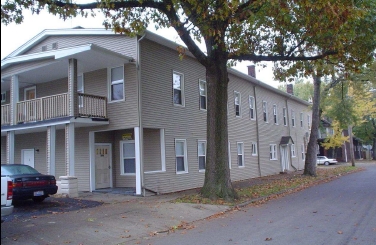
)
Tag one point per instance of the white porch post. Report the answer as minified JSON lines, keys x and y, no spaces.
{"x":69,"y":149}
{"x":51,"y":150}
{"x":10,"y":147}
{"x":137,"y":139}
{"x":72,"y":87}
{"x":14,"y":98}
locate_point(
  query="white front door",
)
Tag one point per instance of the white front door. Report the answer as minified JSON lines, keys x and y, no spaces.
{"x":27,"y":156}
{"x":285,"y":158}
{"x":103,"y":166}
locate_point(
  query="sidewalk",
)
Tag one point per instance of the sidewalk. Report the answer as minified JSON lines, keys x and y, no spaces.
{"x":120,"y":220}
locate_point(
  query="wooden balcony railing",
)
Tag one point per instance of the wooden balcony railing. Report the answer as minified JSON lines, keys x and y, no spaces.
{"x":5,"y":114}
{"x":55,"y":106}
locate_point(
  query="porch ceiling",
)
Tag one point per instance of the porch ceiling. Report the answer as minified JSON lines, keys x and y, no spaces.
{"x":89,"y":58}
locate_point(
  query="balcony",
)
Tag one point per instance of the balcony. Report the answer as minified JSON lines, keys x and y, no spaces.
{"x":55,"y":106}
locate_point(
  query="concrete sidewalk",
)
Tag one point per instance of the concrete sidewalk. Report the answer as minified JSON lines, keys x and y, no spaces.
{"x":122,"y":219}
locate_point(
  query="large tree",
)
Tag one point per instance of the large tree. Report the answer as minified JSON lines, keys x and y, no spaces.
{"x":290,"y":31}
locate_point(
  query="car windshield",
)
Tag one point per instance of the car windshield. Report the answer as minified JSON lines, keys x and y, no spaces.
{"x":13,"y":169}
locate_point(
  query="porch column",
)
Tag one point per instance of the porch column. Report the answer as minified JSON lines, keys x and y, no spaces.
{"x":137,"y":143}
{"x":51,"y":149}
{"x":10,"y":147}
{"x":14,"y":98}
{"x":72,"y":88}
{"x":69,"y":149}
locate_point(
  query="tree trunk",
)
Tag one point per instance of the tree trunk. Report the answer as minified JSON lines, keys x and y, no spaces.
{"x":352,"y":157}
{"x":311,"y":156}
{"x":217,"y":173}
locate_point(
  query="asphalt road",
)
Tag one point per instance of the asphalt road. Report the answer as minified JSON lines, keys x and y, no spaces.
{"x":340,"y":212}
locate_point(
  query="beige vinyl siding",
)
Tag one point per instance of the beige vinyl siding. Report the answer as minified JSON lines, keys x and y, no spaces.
{"x":3,"y":149}
{"x":47,"y":89}
{"x":152,"y":150}
{"x":25,"y":66}
{"x":158,"y":111}
{"x":118,"y":43}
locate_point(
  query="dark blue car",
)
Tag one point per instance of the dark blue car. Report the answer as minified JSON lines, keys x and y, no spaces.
{"x":28,"y":183}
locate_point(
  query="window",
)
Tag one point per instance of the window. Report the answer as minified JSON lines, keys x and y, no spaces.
{"x":303,"y":153}
{"x":201,"y":152}
{"x":252,"y":114}
{"x":237,"y":104}
{"x":80,"y":89}
{"x":181,"y":156}
{"x":254,"y":149}
{"x":309,"y":122}
{"x":203,"y":99}
{"x":44,"y":48}
{"x":54,"y":45}
{"x":265,"y":110}
{"x":240,"y":147}
{"x":178,"y":86}
{"x":275,"y":114}
{"x":293,"y":150}
{"x":3,"y":97}
{"x":116,"y":78}
{"x":301,"y":119}
{"x":273,"y":152}
{"x":128,"y":157}
{"x":229,"y":155}
{"x":284,"y":116}
{"x":293,"y":118}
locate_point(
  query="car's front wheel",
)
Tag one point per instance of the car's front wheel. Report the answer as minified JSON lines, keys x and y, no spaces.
{"x":38,"y":199}
{"x":326,"y":163}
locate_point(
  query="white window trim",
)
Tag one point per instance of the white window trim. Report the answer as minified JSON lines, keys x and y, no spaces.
{"x":301,"y":119}
{"x":181,"y":89}
{"x":275,"y":114}
{"x":293,"y":150}
{"x":242,"y":154}
{"x":185,"y":157}
{"x":240,"y":103}
{"x":30,"y":88}
{"x":109,"y":84}
{"x":206,"y":94}
{"x":3,"y":97}
{"x":285,"y":120}
{"x":254,"y":148}
{"x":122,"y":173}
{"x":265,"y":111}
{"x":198,"y":156}
{"x":273,"y":152}
{"x":293,"y":122}
{"x":252,"y":106}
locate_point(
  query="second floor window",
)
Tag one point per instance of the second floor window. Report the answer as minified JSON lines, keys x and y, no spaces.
{"x":275,"y":114}
{"x":117,"y":83}
{"x":292,"y":118}
{"x":301,"y":119}
{"x":3,"y":97}
{"x":252,"y":114}
{"x":178,"y":87}
{"x":203,"y":99}
{"x":284,"y":116}
{"x":309,"y":122}
{"x":237,"y":104}
{"x":265,"y":110}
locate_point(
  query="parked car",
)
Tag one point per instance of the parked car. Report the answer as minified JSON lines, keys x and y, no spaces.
{"x":326,"y":161}
{"x":6,"y":196}
{"x":28,"y":183}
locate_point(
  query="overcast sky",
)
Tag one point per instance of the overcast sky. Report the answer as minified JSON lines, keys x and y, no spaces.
{"x":13,"y":36}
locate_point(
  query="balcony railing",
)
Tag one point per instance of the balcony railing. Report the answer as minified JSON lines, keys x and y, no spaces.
{"x":55,"y":106}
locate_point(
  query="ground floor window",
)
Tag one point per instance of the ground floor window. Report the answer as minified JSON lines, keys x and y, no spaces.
{"x":181,"y":156}
{"x":273,"y":152}
{"x":128,"y":157}
{"x":201,"y":152}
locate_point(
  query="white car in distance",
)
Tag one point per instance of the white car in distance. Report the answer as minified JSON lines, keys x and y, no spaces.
{"x":326,"y":161}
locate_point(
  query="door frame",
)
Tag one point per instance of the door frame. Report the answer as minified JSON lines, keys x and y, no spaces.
{"x":23,"y":154}
{"x":110,"y":154}
{"x":285,"y":156}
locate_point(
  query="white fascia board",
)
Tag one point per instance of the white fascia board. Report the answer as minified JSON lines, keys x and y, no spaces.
{"x":57,"y":32}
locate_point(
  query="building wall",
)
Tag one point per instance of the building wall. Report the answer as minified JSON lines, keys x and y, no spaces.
{"x":3,"y":149}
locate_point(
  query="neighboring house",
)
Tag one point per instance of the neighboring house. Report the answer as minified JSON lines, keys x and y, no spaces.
{"x":118,"y":111}
{"x":342,"y":154}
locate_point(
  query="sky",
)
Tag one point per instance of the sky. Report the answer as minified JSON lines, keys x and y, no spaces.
{"x":15,"y":35}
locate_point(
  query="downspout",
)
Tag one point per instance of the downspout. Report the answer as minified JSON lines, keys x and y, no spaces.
{"x":257,"y":132}
{"x":139,"y":114}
